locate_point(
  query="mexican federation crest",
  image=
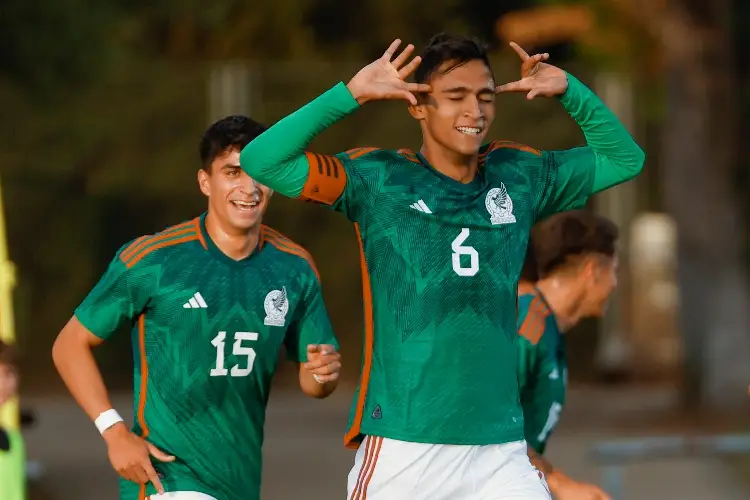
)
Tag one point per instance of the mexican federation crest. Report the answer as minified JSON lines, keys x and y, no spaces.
{"x":276,"y":306}
{"x":500,"y":206}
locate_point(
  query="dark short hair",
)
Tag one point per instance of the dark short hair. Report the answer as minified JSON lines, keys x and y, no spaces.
{"x":230,"y":132}
{"x":443,"y":48}
{"x":8,"y":355}
{"x":569,"y":234}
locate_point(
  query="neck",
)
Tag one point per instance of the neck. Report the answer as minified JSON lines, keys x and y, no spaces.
{"x":564,"y":304}
{"x":461,"y":168}
{"x":236,"y":244}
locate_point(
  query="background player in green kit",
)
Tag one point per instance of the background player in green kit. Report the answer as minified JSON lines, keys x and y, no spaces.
{"x":211,"y":301}
{"x":443,"y":234}
{"x":572,"y":265}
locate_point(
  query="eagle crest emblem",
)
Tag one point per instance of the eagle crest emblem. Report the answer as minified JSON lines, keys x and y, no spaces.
{"x":276,"y":306}
{"x":500,"y":206}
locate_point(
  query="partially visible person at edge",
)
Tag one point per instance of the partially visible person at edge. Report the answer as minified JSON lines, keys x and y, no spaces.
{"x":12,"y":450}
{"x":569,"y":274}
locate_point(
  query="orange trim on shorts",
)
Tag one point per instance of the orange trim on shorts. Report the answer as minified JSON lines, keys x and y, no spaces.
{"x":141,"y":410}
{"x":372,"y":450}
{"x":352,"y":435}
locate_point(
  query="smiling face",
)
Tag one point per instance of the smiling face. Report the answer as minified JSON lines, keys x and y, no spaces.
{"x":461,"y":107}
{"x":234,"y":198}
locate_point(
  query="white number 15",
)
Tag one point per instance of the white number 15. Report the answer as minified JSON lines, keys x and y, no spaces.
{"x":238,"y":350}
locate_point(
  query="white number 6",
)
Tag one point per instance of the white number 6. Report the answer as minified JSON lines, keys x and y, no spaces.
{"x":459,"y":249}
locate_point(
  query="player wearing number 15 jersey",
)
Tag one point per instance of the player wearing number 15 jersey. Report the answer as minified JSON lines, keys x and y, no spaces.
{"x":211,"y":302}
{"x":443,"y":235}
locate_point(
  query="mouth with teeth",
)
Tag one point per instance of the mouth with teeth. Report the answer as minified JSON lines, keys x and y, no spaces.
{"x":469,"y":130}
{"x":246,"y":206}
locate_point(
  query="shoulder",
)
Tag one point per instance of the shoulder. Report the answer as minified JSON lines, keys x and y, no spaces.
{"x":158,"y":245}
{"x":289,"y":250}
{"x":379,"y":156}
{"x":508,"y":150}
{"x":533,"y":315}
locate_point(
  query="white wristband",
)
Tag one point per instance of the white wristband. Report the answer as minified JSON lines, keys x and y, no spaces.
{"x":107,"y":419}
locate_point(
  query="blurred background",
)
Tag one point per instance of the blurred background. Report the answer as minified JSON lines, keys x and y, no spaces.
{"x":103,"y":105}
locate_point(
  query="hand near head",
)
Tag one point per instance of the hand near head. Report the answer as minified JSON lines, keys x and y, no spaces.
{"x":323,"y":362}
{"x":537,"y":77}
{"x":130,"y":456}
{"x":385,"y":78}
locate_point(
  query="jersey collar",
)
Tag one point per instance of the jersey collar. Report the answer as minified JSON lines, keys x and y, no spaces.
{"x":216,"y":252}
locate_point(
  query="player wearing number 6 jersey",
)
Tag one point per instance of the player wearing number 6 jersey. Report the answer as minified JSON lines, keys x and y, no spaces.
{"x":569,"y":274}
{"x":443,"y":235}
{"x":211,"y":302}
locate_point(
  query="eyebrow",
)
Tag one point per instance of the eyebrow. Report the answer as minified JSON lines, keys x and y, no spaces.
{"x":454,"y":90}
{"x":231,"y":165}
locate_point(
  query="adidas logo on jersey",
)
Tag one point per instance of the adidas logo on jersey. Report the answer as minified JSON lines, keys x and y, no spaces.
{"x":195,"y":302}
{"x":420,"y":206}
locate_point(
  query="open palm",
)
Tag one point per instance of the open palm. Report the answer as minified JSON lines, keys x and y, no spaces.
{"x":537,"y":77}
{"x":385,"y":78}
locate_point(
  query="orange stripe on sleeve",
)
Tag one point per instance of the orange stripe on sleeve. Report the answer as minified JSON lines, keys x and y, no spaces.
{"x":147,"y":241}
{"x":350,"y":438}
{"x":286,"y":245}
{"x":535,"y":321}
{"x":409,"y":155}
{"x":353,"y":154}
{"x":495,"y":145}
{"x":326,"y":179}
{"x":192,"y":236}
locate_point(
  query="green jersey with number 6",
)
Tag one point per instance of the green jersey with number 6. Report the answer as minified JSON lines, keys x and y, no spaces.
{"x":542,"y":369}
{"x":441,"y":260}
{"x":207,"y":332}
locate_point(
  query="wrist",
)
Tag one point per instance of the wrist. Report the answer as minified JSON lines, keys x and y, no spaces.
{"x":555,"y":480}
{"x":107,"y":419}
{"x":114,"y":432}
{"x":356,"y":93}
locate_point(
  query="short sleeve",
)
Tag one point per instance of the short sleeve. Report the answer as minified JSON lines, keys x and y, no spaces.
{"x":310,"y":325}
{"x":347,"y":182}
{"x":120,"y":296}
{"x":568,"y":181}
{"x":527,"y":357}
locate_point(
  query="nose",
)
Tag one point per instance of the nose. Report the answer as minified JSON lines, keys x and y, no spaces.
{"x":472,"y":109}
{"x":248,"y":185}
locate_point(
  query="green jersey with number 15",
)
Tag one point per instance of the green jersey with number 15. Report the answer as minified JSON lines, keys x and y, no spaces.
{"x":207,"y":332}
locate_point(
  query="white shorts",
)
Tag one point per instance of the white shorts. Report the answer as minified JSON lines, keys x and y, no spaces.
{"x":182,"y":495}
{"x":387,"y":469}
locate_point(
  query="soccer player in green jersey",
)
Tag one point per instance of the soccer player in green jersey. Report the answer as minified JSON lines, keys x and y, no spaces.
{"x":211,"y":302}
{"x":443,"y":235}
{"x":574,"y":259}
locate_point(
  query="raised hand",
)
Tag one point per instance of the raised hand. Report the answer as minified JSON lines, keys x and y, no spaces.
{"x":537,"y":77}
{"x":385,"y":78}
{"x":323,"y":362}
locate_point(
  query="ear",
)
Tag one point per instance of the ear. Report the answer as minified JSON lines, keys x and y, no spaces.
{"x":417,"y":112}
{"x":203,"y":184}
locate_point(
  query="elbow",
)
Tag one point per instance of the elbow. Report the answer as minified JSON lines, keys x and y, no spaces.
{"x":639,"y":160}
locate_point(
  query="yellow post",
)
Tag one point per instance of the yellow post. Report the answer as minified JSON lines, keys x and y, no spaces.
{"x":9,"y":414}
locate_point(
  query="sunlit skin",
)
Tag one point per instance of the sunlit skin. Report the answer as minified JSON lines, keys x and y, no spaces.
{"x":456,"y":116}
{"x":236,"y":205}
{"x":581,"y":289}
{"x":8,"y":382}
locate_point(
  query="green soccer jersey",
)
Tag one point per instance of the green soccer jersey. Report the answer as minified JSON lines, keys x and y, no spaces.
{"x":12,"y":465}
{"x":207,"y":332}
{"x":441,"y":261}
{"x":542,"y":369}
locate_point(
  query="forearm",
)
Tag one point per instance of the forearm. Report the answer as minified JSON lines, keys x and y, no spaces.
{"x":77,"y":367}
{"x":618,"y":157}
{"x":277,"y":157}
{"x":313,"y":388}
